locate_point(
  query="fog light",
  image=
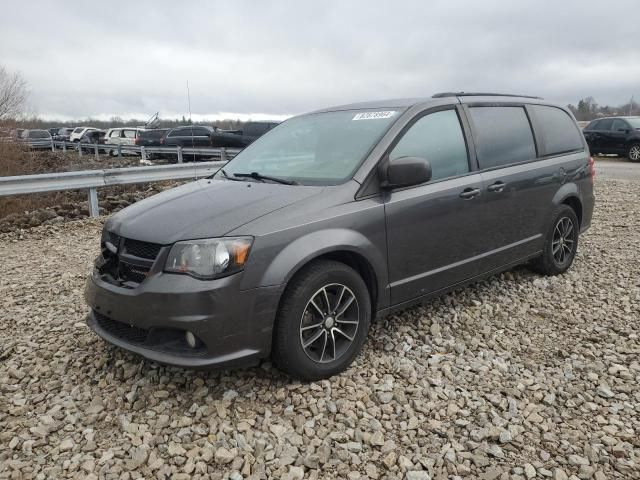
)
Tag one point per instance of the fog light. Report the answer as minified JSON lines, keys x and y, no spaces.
{"x":191,"y":339}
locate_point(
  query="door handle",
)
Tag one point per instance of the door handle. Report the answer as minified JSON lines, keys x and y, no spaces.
{"x":496,"y":187}
{"x":469,"y":193}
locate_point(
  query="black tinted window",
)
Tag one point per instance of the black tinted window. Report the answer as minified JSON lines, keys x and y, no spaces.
{"x":605,"y":124}
{"x":202,"y":132}
{"x":593,"y":125}
{"x":179,"y":132}
{"x":152,"y":133}
{"x":255,"y":129}
{"x":503,"y":136}
{"x":38,"y":134}
{"x":438,"y":138}
{"x":558,"y":130}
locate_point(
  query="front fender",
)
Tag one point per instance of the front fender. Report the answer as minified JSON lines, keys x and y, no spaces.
{"x":315,"y":244}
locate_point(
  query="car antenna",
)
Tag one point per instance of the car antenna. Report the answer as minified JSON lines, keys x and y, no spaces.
{"x":193,"y":145}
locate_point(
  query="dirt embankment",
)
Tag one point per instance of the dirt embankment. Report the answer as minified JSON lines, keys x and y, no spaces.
{"x":26,"y":211}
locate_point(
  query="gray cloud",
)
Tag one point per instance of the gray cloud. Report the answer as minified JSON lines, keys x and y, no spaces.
{"x":279,"y":58}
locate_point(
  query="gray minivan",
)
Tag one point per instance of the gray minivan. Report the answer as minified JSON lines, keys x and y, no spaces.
{"x":338,"y":216}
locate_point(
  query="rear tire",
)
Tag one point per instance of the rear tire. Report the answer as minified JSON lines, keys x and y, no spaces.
{"x":633,"y":154}
{"x":561,"y":243}
{"x":322,"y":322}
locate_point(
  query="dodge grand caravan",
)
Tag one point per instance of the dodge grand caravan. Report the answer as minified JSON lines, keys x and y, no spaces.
{"x":338,"y":216}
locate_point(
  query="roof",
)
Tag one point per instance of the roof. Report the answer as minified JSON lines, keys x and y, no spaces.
{"x":613,"y":117}
{"x":438,"y":98}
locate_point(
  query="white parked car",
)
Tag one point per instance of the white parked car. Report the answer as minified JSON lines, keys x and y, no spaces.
{"x":122,"y":136}
{"x":79,"y":132}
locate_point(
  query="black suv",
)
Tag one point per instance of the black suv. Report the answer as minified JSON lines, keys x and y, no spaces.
{"x":336,"y":217}
{"x":618,"y":135}
{"x":248,"y":134}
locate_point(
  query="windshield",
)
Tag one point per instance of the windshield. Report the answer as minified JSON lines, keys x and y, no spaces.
{"x":635,"y":122}
{"x":315,"y":149}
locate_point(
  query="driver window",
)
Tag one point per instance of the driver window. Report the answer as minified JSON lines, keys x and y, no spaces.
{"x":619,"y":125}
{"x":437,"y":137}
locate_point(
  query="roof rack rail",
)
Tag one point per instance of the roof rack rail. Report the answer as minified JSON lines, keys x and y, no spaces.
{"x":480,"y":94}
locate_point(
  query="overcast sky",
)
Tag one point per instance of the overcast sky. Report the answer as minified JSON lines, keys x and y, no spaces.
{"x":272,"y":59}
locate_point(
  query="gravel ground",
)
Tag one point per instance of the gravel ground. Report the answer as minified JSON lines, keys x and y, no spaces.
{"x":517,"y":377}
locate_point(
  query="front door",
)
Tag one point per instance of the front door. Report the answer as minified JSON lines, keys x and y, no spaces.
{"x":434,"y":230}
{"x":619,"y":132}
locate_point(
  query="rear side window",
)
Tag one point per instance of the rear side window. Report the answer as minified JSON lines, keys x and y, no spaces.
{"x":178,"y":132}
{"x":558,"y":130}
{"x":438,"y":138}
{"x":152,"y":133}
{"x":503,"y":136}
{"x":255,"y":129}
{"x":115,"y":134}
{"x":38,"y":134}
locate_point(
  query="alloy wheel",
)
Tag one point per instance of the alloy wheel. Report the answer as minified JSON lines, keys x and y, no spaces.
{"x":634,"y":153}
{"x":329,"y":323}
{"x":563,"y":242}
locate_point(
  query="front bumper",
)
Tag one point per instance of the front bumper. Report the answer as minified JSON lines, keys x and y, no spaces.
{"x":234,"y":325}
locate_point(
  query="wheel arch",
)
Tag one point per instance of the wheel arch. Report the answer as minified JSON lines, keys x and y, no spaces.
{"x":343,"y":245}
{"x":569,"y":195}
{"x":575,"y":203}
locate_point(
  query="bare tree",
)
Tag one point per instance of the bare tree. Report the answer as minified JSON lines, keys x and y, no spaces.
{"x":13,"y":94}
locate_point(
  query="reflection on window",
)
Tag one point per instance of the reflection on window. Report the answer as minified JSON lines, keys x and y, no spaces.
{"x":437,"y":137}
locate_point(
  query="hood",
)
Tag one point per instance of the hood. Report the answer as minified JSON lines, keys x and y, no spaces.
{"x":202,"y":209}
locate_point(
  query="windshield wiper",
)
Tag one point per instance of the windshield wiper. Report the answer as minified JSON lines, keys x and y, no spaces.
{"x":225,"y":175}
{"x":259,"y":176}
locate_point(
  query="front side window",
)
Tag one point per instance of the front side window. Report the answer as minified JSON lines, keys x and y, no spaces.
{"x":620,"y":125}
{"x":315,"y":149}
{"x":635,"y":122}
{"x":558,"y":129}
{"x":503,"y":134}
{"x":78,"y":129}
{"x":437,"y":137}
{"x":115,"y":134}
{"x":129,"y":133}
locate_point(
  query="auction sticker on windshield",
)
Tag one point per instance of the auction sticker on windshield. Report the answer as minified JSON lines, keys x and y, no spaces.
{"x":374,"y":115}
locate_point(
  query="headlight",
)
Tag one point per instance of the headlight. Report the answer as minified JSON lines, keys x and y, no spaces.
{"x":209,"y":258}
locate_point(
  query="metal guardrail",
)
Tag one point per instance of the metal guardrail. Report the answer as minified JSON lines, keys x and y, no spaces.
{"x":91,"y":180}
{"x":223,"y":154}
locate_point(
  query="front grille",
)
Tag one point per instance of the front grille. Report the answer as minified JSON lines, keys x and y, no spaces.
{"x":132,"y":273}
{"x":119,"y":268}
{"x":121,"y":330}
{"x":142,"y":249}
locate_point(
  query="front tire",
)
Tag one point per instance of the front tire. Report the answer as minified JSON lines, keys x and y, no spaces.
{"x":633,"y":154}
{"x":322,"y":322}
{"x":561,"y":243}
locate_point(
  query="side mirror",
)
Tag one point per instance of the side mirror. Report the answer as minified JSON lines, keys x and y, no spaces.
{"x":404,"y":172}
